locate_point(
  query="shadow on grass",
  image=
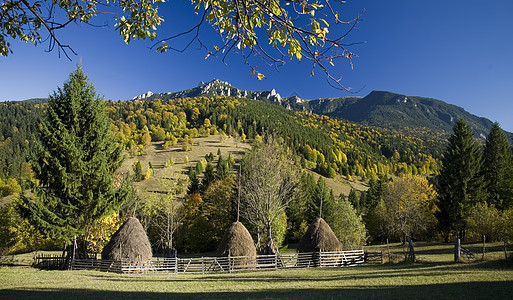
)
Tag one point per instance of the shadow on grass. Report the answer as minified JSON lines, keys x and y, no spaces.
{"x":472,"y":290}
{"x":400,"y":272}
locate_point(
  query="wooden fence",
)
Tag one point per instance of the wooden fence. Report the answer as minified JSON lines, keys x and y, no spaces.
{"x":47,"y":261}
{"x":374,"y":257}
{"x":216,"y":264}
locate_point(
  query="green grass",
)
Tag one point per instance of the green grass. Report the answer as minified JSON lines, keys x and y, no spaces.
{"x":426,"y":280}
{"x":434,"y":276}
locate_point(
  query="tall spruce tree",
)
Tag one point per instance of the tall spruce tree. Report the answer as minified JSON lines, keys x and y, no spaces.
{"x":320,"y":204}
{"x":460,"y":184}
{"x":498,"y":169}
{"x":75,"y":162}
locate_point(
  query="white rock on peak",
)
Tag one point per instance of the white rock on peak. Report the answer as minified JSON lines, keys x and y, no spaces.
{"x":143,"y":96}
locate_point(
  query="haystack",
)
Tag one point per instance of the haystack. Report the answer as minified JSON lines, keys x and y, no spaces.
{"x":319,"y":237}
{"x":237,"y":242}
{"x":130,"y":242}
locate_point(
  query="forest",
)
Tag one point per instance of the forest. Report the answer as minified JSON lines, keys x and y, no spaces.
{"x":413,"y":192}
{"x":333,"y":146}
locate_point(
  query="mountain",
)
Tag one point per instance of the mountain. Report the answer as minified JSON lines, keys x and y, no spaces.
{"x":214,"y":88}
{"x":379,"y":108}
{"x":396,"y":111}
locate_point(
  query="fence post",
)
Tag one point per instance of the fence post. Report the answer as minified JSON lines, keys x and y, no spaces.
{"x":412,"y":251}
{"x":229,"y":263}
{"x":457,"y":249}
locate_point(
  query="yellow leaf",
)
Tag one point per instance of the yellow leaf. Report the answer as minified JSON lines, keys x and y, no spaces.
{"x":332,"y":63}
{"x":260,"y":76}
{"x":253,"y":70}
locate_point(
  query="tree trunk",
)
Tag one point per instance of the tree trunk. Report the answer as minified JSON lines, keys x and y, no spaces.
{"x":269,"y":249}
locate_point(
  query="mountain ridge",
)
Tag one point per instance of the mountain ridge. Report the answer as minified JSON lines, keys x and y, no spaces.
{"x":379,"y":108}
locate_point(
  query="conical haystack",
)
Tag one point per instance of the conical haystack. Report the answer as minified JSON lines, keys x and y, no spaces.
{"x":319,"y":237}
{"x":130,"y":242}
{"x":237,"y":242}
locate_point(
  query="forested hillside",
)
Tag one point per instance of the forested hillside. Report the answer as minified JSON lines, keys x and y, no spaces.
{"x":396,"y":111}
{"x":18,"y":124}
{"x":329,"y":146}
{"x":396,"y":132}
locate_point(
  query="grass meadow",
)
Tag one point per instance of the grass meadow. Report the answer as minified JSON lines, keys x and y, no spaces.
{"x":433,"y":276}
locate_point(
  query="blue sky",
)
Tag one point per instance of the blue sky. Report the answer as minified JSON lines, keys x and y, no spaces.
{"x":456,"y":51}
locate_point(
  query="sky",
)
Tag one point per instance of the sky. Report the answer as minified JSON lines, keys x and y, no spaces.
{"x":456,"y":51}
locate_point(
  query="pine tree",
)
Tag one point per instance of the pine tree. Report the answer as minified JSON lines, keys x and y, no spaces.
{"x":194,"y":185}
{"x":374,"y":194}
{"x":498,"y":169}
{"x":223,"y":169}
{"x":75,"y":161}
{"x":138,"y":173}
{"x":353,"y":199}
{"x":209,"y":176}
{"x":199,"y":168}
{"x":320,"y":202}
{"x":460,"y":184}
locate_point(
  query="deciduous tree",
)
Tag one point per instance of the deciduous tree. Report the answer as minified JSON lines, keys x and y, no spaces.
{"x":410,"y":206}
{"x":165,"y":209}
{"x":268,"y":180}
{"x":347,"y":225}
{"x":484,"y":220}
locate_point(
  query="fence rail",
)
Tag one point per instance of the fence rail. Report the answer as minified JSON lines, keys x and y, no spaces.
{"x":374,"y":257}
{"x":46,"y":261}
{"x":213,"y":264}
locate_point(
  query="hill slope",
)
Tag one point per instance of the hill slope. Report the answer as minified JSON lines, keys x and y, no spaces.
{"x":396,"y":111}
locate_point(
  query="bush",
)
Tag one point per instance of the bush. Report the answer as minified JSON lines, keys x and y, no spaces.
{"x":484,"y":219}
{"x":9,"y":187}
{"x":348,"y":225}
{"x":17,"y":235}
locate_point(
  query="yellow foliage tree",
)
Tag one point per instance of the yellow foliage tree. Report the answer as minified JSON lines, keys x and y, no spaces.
{"x":100,"y":235}
{"x":410,"y":206}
